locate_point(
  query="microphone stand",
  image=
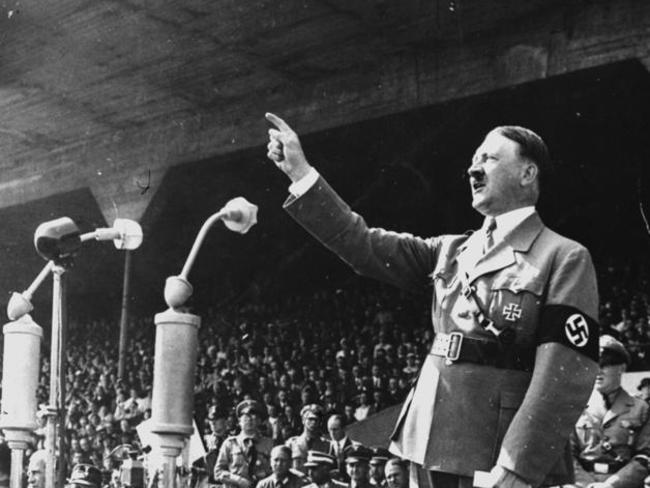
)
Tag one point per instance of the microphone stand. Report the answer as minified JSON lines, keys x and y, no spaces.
{"x":57,"y":241}
{"x":176,"y":348}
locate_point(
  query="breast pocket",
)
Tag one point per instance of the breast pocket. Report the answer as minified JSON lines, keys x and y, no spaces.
{"x":623,"y":430}
{"x":516,"y":302}
{"x":239,"y":462}
{"x":586,"y":433}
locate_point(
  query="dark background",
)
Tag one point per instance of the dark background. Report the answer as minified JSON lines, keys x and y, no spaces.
{"x":405,"y":172}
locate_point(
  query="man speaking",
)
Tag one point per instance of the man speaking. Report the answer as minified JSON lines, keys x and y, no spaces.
{"x":514,"y":312}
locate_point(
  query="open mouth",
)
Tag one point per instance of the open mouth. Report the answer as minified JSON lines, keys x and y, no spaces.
{"x":477,"y":186}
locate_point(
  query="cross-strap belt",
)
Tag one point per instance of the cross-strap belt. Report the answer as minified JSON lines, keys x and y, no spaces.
{"x":456,"y":347}
{"x":505,"y":335}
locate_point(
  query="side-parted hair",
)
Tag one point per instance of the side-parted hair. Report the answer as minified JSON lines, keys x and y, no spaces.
{"x":531,"y":146}
{"x":395,"y":461}
{"x":282,"y":449}
{"x":339,"y":417}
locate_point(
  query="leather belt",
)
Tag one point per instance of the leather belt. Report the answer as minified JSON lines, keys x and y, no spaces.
{"x":456,"y":347}
{"x":601,"y":467}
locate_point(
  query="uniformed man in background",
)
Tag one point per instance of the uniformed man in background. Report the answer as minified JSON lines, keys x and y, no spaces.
{"x":244,"y":459}
{"x":378,"y":459}
{"x":310,"y":439}
{"x":357,"y":463}
{"x":320,"y":467}
{"x":282,"y":476}
{"x":397,"y":473}
{"x":611,"y":442}
{"x":85,"y":476}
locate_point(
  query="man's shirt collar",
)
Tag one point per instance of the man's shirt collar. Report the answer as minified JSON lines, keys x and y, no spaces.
{"x":506,"y":222}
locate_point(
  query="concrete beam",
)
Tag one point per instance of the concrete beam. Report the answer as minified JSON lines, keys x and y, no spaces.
{"x":117,"y":164}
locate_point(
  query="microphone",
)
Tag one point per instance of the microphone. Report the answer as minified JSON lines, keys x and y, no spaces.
{"x":57,"y":239}
{"x":238,"y":215}
{"x":126,"y":234}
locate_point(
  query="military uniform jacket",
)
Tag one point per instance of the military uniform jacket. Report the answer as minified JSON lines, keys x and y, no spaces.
{"x":615,"y":435}
{"x":232,"y":458}
{"x":301,"y":444}
{"x":464,"y":417}
{"x":291,"y":480}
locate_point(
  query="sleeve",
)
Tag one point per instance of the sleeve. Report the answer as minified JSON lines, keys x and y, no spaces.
{"x":300,"y":187}
{"x":400,"y":259}
{"x":222,"y":463}
{"x":563,"y":376}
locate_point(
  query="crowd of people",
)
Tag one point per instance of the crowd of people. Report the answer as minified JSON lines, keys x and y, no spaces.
{"x":625,"y":309}
{"x":353,"y":350}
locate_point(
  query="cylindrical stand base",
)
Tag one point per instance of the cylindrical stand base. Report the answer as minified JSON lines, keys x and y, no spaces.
{"x":170,"y":448}
{"x":18,"y":447}
{"x":174,"y":370}
{"x":17,"y":456}
{"x":173,"y":385}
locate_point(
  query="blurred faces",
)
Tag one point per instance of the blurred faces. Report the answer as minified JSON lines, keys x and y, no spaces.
{"x":609,"y":378}
{"x":218,"y":425}
{"x":396,"y":475}
{"x":36,"y":470}
{"x":357,"y":470}
{"x":311,"y":423}
{"x":335,"y":428}
{"x":280,"y":461}
{"x":319,"y":474}
{"x":249,"y":421}
{"x":376,"y":472}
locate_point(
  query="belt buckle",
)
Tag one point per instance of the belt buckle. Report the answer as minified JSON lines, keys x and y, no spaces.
{"x":453,"y":348}
{"x":601,"y":468}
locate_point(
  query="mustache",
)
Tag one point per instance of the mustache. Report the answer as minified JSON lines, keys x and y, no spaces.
{"x":476,"y":174}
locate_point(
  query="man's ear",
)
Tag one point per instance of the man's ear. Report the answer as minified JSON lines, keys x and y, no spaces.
{"x":529,"y":174}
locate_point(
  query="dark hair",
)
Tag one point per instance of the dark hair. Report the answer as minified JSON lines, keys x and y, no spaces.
{"x":339,"y":417}
{"x":531,"y":146}
{"x":283,"y":449}
{"x":395,"y":461}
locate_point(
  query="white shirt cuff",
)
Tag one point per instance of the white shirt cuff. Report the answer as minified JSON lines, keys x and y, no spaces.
{"x":300,"y":187}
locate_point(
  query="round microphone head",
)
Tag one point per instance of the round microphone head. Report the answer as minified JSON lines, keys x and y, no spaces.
{"x":130,"y":234}
{"x":57,"y":239}
{"x":177,"y":291}
{"x":241,"y":215}
{"x":18,"y":306}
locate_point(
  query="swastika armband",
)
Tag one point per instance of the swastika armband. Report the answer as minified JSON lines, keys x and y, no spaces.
{"x":570,"y":327}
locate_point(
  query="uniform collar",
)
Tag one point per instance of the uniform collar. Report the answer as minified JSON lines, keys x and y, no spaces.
{"x":506,"y":222}
{"x":621,"y":403}
{"x":243,"y":437}
{"x":502,"y":254}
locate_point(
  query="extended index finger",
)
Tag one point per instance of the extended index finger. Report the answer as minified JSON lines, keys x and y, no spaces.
{"x":277,"y":121}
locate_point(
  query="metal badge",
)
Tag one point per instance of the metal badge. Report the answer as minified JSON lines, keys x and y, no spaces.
{"x":512,"y":312}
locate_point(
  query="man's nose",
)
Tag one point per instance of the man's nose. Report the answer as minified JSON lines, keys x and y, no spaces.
{"x":475,"y":171}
